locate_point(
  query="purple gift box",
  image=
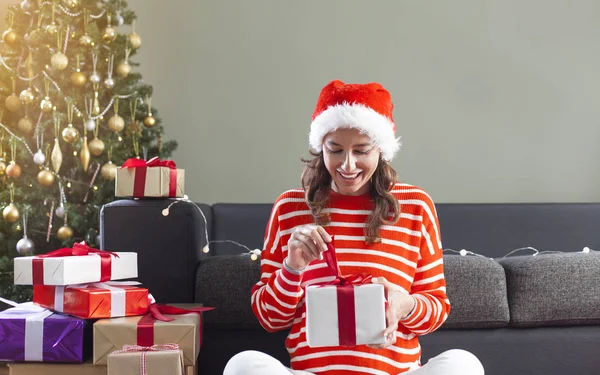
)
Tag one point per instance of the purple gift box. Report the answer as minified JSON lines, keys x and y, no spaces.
{"x":33,"y":334}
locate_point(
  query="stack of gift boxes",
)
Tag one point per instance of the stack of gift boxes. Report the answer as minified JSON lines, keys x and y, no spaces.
{"x":85,"y":316}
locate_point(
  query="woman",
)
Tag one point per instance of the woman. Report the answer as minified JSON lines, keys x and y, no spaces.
{"x":381,"y":228}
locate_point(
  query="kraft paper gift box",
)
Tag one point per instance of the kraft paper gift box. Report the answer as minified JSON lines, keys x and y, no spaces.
{"x":34,"y":334}
{"x":77,"y":265}
{"x":111,"y":335}
{"x":87,"y":368}
{"x":153,"y":179}
{"x":348,"y":313}
{"x":93,"y":301}
{"x":155,"y":360}
{"x":56,"y":369}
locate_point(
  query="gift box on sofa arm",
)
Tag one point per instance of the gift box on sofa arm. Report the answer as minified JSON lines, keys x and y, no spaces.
{"x":154,"y":178}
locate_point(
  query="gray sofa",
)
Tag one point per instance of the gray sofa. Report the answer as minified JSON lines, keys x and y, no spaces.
{"x":520,"y":314}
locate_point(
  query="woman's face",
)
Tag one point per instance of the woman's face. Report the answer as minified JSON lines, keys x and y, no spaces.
{"x":351,"y":158}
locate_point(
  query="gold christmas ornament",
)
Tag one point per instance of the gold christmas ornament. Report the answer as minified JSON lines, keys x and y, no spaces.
{"x":27,"y":96}
{"x":2,"y":168}
{"x":13,"y":170}
{"x":150,"y":121}
{"x":12,"y":103}
{"x":96,"y":147}
{"x":11,"y":213}
{"x":59,"y":61}
{"x":123,"y":69}
{"x":25,"y":125}
{"x":116,"y":123}
{"x":84,"y":154}
{"x":10,"y":37}
{"x":64,"y":233}
{"x":96,"y":103}
{"x":56,"y":156}
{"x":78,"y":79}
{"x":70,"y":3}
{"x":52,"y":28}
{"x":45,"y":178}
{"x":135,"y":40}
{"x":46,"y":105}
{"x":85,"y":40}
{"x":109,"y":171}
{"x":109,"y":34}
{"x":70,"y":134}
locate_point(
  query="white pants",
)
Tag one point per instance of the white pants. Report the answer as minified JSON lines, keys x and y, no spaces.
{"x":451,"y":362}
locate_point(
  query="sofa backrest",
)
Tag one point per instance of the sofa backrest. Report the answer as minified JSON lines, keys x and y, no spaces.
{"x":492,"y":230}
{"x":243,"y":223}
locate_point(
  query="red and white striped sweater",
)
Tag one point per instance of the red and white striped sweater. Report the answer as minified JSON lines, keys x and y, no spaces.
{"x":409,"y":256}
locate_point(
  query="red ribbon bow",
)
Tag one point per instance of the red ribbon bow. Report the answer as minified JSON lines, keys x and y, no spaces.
{"x":156,"y":311}
{"x":345,"y":297}
{"x":78,"y":249}
{"x":140,"y":166}
{"x":342,"y":280}
{"x":154,"y":162}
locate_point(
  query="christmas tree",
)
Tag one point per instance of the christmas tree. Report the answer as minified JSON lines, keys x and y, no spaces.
{"x":72,"y":109}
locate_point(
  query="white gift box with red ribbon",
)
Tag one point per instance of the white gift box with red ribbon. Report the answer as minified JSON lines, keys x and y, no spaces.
{"x":345,"y":315}
{"x":77,"y":265}
{"x":347,"y":312}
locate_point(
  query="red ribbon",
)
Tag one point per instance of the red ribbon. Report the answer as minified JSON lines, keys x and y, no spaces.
{"x":345,"y":297}
{"x":141,"y":166}
{"x":78,"y":249}
{"x":156,"y":311}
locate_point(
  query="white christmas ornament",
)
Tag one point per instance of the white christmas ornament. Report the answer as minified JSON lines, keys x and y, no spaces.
{"x":90,"y":125}
{"x":25,"y":246}
{"x":60,"y":212}
{"x":39,"y":158}
{"x":95,"y":78}
{"x":109,"y":83}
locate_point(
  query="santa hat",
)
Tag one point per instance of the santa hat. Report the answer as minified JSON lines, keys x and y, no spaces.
{"x":367,"y":107}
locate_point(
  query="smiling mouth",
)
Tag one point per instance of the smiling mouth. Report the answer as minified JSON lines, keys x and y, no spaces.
{"x":349,"y":177}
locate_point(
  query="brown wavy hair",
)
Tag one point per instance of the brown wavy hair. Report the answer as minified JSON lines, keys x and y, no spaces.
{"x":316,"y":182}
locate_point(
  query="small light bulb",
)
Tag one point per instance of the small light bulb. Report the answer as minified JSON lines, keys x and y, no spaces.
{"x":586,"y":250}
{"x":95,"y":188}
{"x":68,"y":184}
{"x":463,"y":252}
{"x":74,"y":153}
{"x":205,"y":249}
{"x":120,"y":139}
{"x":254,"y":256}
{"x":165,"y":212}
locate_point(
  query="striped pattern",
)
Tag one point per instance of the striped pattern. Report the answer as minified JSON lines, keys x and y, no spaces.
{"x":409,"y":256}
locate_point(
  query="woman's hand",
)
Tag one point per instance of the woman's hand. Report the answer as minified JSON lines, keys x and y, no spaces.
{"x":400,"y":304}
{"x":306,"y":244}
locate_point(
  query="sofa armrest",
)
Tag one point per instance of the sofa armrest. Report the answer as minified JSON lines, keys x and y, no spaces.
{"x":169,"y":247}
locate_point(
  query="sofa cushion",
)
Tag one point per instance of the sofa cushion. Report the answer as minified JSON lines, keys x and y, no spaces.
{"x":553,"y":289}
{"x":476,"y":288}
{"x":225,"y":282}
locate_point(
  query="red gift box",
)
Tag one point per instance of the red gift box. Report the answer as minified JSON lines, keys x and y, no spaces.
{"x":93,"y":301}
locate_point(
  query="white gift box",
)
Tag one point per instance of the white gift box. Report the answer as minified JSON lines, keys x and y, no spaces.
{"x":156,"y":182}
{"x":69,"y":270}
{"x":345,"y":320}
